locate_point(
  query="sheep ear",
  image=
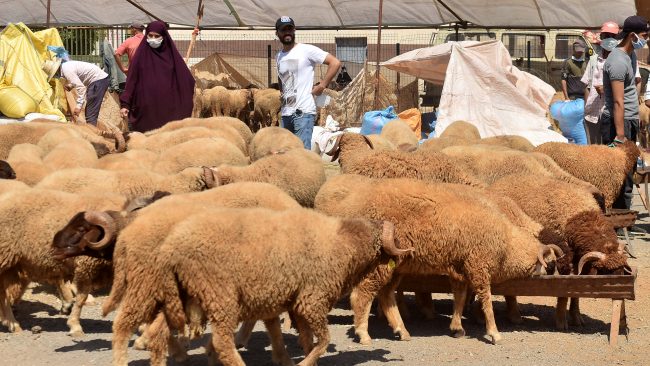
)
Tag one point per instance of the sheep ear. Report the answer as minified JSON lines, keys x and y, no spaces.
{"x":74,"y":237}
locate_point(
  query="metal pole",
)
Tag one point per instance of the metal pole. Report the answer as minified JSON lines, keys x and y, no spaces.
{"x":268,"y":65}
{"x":528,"y":54}
{"x":49,"y":13}
{"x":398,"y":78}
{"x":381,"y":13}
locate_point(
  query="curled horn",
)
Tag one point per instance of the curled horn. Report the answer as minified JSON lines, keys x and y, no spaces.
{"x":388,"y":241}
{"x":106,"y":222}
{"x":119,"y":141}
{"x":211,"y":180}
{"x":368,"y":141}
{"x":591,"y":256}
{"x":541,"y":252}
{"x":558,"y":252}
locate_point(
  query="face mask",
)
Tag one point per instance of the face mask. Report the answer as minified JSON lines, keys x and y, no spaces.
{"x":154,"y":42}
{"x":609,"y":44}
{"x":582,"y":58}
{"x":639,"y":43}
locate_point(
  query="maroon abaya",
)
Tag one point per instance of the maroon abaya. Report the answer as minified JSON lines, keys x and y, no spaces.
{"x":159,"y":86}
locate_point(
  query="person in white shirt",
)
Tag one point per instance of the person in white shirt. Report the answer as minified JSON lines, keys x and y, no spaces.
{"x":89,"y":80}
{"x":295,"y":64}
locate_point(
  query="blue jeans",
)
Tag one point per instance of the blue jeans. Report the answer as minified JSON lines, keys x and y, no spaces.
{"x":301,"y":125}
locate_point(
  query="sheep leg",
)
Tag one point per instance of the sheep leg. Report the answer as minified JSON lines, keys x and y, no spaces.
{"x":7,"y":313}
{"x":317,"y":321}
{"x":389,"y":306}
{"x":75,"y":315}
{"x":361,"y":302}
{"x":574,"y":312}
{"x":223,"y":341}
{"x":123,"y":327}
{"x":560,"y":314}
{"x":141,"y":342}
{"x":459,"y":289}
{"x":401,"y":306}
{"x":161,"y":336}
{"x":305,"y":335}
{"x":244,"y":333}
{"x":425,"y":304}
{"x":513,"y":310}
{"x":279,"y":353}
{"x":66,"y":295}
{"x":485,"y":297}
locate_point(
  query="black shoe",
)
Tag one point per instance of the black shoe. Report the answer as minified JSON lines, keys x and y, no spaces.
{"x":637,"y":229}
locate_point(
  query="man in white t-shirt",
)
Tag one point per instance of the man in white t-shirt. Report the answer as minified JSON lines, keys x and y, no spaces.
{"x":295,"y":64}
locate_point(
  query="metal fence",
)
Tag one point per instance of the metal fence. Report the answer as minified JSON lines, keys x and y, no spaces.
{"x":538,"y":52}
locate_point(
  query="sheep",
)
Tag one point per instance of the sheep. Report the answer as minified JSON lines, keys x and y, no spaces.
{"x":31,"y":132}
{"x":199,"y":152}
{"x":28,"y":221}
{"x":356,"y":156}
{"x":490,"y":165}
{"x":160,"y":216}
{"x":164,"y":140}
{"x":71,"y":153}
{"x":454,"y":231}
{"x":128,"y":160}
{"x":6,"y":171}
{"x":514,"y":142}
{"x":129,"y":183}
{"x":272,"y":139}
{"x":7,"y":185}
{"x":400,"y":135}
{"x":216,"y":98}
{"x":604,"y":167}
{"x":238,"y":102}
{"x":26,"y":160}
{"x":212,"y":123}
{"x":572,"y":213}
{"x":298,"y":172}
{"x":462,"y":130}
{"x":293,"y":244}
{"x":266,"y":107}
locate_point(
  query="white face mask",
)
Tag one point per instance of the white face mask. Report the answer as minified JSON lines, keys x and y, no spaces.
{"x":154,"y":42}
{"x":609,"y":43}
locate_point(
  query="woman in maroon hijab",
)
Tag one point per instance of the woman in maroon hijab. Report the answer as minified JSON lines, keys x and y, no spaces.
{"x":160,"y":87}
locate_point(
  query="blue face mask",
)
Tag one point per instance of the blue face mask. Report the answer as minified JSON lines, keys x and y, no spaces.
{"x":639,"y":43}
{"x":609,"y":44}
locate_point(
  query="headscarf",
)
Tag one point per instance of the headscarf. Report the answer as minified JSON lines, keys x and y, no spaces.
{"x":159,"y":86}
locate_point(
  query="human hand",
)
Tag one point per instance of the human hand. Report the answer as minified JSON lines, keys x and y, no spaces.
{"x":68,"y":86}
{"x":317,"y":89}
{"x":196,"y":31}
{"x":124,"y":112}
{"x":599,"y":89}
{"x":125,"y":70}
{"x":76,"y":111}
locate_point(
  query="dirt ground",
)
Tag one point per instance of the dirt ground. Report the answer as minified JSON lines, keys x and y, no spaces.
{"x":534,"y":342}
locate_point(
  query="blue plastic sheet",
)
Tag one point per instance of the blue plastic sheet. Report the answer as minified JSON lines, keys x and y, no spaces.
{"x":374,"y":121}
{"x":570,"y":116}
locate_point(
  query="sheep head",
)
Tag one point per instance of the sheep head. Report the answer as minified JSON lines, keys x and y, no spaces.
{"x":589,"y":232}
{"x":88,"y":233}
{"x":632,"y":153}
{"x":6,"y":171}
{"x":349,"y":142}
{"x":547,"y":256}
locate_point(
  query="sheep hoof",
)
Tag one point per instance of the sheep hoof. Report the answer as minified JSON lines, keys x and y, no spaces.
{"x":15,"y":328}
{"x":496,"y":339}
{"x":76,"y":333}
{"x":180,"y":356}
{"x":365,"y":340}
{"x":140,"y":343}
{"x":66,"y":308}
{"x":404,"y":335}
{"x":282,"y":360}
{"x":458,"y":333}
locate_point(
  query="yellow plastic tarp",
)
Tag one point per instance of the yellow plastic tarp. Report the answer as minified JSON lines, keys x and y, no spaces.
{"x":22,"y":53}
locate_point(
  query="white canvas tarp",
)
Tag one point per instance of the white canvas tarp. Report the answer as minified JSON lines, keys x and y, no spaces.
{"x":481,"y":86}
{"x":324,"y":13}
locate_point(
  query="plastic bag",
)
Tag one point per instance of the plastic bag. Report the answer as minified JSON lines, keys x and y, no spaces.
{"x":374,"y":121}
{"x":15,"y":103}
{"x":570,"y":116}
{"x":413,"y":118}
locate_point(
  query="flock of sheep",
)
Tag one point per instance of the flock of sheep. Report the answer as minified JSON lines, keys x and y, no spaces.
{"x":203,"y":222}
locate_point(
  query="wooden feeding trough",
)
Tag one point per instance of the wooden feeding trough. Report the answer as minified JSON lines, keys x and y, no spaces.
{"x":616,"y":287}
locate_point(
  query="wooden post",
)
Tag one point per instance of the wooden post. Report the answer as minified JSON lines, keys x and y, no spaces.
{"x":49,"y":14}
{"x":381,"y":13}
{"x":268,"y":65}
{"x":617,"y":306}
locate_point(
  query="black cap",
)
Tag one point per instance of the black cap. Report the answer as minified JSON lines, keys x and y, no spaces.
{"x":136,"y":25}
{"x":634,"y":24}
{"x":284,"y":21}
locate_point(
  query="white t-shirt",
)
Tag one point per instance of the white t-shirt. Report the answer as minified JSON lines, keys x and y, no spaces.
{"x":296,"y":72}
{"x":81,"y":75}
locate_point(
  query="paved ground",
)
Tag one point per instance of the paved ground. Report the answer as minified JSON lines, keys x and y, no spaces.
{"x":535,"y":342}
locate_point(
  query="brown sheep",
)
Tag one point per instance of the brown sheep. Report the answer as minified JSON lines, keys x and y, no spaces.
{"x":212,"y":123}
{"x":343,"y":250}
{"x":266,"y":107}
{"x":7,"y":185}
{"x":270,"y":140}
{"x":356,"y":156}
{"x":572,"y":213}
{"x":130,"y":183}
{"x":511,"y":141}
{"x":298,"y":172}
{"x":28,"y":221}
{"x":199,"y":152}
{"x":128,"y":160}
{"x":604,"y":167}
{"x":400,"y":135}
{"x":461,"y":130}
{"x":160,"y":141}
{"x":454,"y":231}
